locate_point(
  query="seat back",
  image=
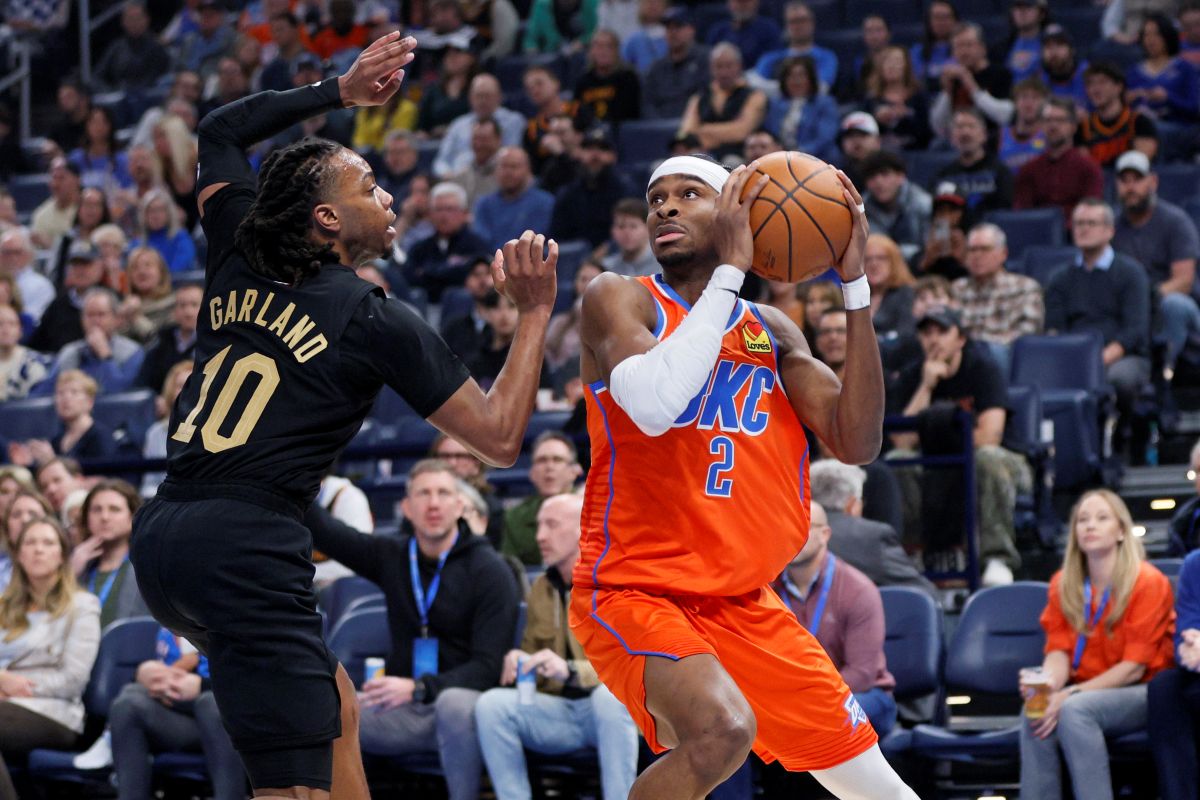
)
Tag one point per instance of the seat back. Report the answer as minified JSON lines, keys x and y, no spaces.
{"x":359,"y":636}
{"x":1171,"y":567}
{"x":337,"y":598}
{"x":1041,"y":261}
{"x":31,"y":418}
{"x":456,"y":302}
{"x":128,"y":414}
{"x":1023,"y":425}
{"x":1029,"y":227}
{"x":646,"y":140}
{"x":123,"y":645}
{"x":1178,"y":183}
{"x":1063,"y":361}
{"x":913,"y":640}
{"x":997,"y":635}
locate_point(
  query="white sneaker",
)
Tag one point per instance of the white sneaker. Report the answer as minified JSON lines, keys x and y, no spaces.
{"x":996,"y":573}
{"x":99,"y":755}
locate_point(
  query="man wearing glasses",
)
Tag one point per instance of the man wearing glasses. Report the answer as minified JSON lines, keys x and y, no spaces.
{"x":1063,"y":174}
{"x":554,"y":471}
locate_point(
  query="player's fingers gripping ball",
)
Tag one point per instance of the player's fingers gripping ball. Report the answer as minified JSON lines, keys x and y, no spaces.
{"x":801,"y":222}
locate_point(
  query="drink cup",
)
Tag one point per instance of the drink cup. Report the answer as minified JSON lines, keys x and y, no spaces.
{"x":372,"y":668}
{"x":1035,"y":688}
{"x":526,"y":684}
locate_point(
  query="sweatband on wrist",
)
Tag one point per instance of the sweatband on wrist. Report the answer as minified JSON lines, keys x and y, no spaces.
{"x":856,"y":294}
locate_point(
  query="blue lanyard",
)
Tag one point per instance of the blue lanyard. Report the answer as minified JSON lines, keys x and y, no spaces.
{"x":822,"y":598}
{"x":1092,"y":620}
{"x":424,"y":602}
{"x":108,"y":584}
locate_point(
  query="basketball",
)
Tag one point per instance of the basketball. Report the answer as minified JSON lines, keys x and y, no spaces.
{"x":801,"y":221}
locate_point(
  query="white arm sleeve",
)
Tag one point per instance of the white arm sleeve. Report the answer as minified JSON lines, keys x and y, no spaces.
{"x":655,"y":387}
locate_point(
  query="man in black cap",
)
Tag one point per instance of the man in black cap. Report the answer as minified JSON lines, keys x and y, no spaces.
{"x":682,"y":72}
{"x":1112,"y":127}
{"x":583,"y":208}
{"x":61,"y":322}
{"x":1061,"y":70}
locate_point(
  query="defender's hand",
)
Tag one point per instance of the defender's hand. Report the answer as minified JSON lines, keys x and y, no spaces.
{"x":731,"y":229}
{"x":377,"y":72}
{"x":522,"y":274}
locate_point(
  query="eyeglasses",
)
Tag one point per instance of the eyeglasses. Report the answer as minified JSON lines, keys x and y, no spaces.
{"x":1089,"y":223}
{"x":980,"y":248}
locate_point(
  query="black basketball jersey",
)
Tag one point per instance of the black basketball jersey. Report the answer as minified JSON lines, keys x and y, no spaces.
{"x":285,"y":374}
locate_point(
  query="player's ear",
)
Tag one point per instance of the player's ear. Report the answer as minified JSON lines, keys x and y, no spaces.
{"x":327,"y":219}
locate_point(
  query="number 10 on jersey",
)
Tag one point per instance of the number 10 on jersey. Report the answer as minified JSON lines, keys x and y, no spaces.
{"x":214,"y":441}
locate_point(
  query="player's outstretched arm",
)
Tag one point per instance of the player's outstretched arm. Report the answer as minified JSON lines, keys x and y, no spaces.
{"x":225,"y":133}
{"x":493,"y":425}
{"x":846,"y":415}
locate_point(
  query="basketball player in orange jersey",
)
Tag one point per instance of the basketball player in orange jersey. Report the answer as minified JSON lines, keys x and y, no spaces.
{"x":698,"y":498}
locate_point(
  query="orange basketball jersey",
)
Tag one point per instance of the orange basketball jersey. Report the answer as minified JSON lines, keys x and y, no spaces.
{"x":718,"y":505}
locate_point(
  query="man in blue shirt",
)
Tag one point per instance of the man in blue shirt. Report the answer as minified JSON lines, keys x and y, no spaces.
{"x":516,"y":205}
{"x":801,"y":27}
{"x":750,"y":33}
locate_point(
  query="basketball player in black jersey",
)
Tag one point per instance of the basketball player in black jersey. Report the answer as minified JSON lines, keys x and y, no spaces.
{"x":292,"y":349}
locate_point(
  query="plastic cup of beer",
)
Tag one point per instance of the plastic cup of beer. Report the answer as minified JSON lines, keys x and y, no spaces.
{"x":373,"y":668}
{"x":1035,"y":688}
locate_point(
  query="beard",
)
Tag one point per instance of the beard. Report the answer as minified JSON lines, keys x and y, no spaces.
{"x":679,"y":257}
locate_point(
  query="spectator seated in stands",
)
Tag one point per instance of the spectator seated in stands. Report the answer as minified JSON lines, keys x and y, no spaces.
{"x":799,"y":34}
{"x":609,"y":90}
{"x":55,"y":215}
{"x":50,"y":633}
{"x":1189,"y":34}
{"x":897,"y":100}
{"x":572,"y":709}
{"x":752,"y":34}
{"x":290,"y":40}
{"x":557,"y":24}
{"x":631,"y":234}
{"x":1166,"y":86}
{"x":858,"y":139}
{"x":647,"y":43}
{"x":1026,"y":20}
{"x":485,"y":96}
{"x":560,"y":147}
{"x":398,"y":165}
{"x":494,"y":22}
{"x":682,"y":72}
{"x":817,"y":297}
{"x":830,"y":343}
{"x":478,"y":176}
{"x":896,"y":207}
{"x":785,"y":297}
{"x":758,"y":144}
{"x":1113,"y":128}
{"x":485,"y":364}
{"x":470,"y":470}
{"x":442,"y":259}
{"x":159,"y":226}
{"x":945,"y":251}
{"x":111,"y":359}
{"x":563,"y":344}
{"x":583,"y":208}
{"x":101,"y":162}
{"x":961,"y":373}
{"x":101,"y":560}
{"x":842,"y":608}
{"x":200,"y":50}
{"x":445,"y":99}
{"x":984,"y":183}
{"x":869,"y":546}
{"x":1163,"y":239}
{"x":80,"y":436}
{"x":970,"y":81}
{"x":997,"y":306}
{"x":10,"y":295}
{"x":73,"y":103}
{"x":155,"y":443}
{"x":1183,"y":533}
{"x":1109,"y":625}
{"x":92,"y":215}
{"x":341,"y":33}
{"x":146,"y":309}
{"x":468,"y":333}
{"x":1105,"y":292}
{"x":517,"y":204}
{"x":20,"y":368}
{"x":876,"y":34}
{"x":543,"y":91}
{"x":25,"y":505}
{"x":932,"y":53}
{"x":175,"y":342}
{"x":16,"y":262}
{"x":347,"y":504}
{"x":426,"y":701}
{"x":134,"y":60}
{"x":412,"y":222}
{"x":724,"y":112}
{"x":1062,"y":71}
{"x":62,"y":321}
{"x":373,"y":124}
{"x":58,"y":478}
{"x":891,"y":287}
{"x":1173,"y":700}
{"x":1063,"y":174}
{"x":803,"y":118}
{"x":555,"y":468}
{"x":1022,"y":139}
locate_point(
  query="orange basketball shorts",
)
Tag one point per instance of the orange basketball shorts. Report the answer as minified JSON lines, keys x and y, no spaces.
{"x":807,"y":716}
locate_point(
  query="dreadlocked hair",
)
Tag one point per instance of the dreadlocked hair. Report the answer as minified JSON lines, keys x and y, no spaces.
{"x":273,"y":236}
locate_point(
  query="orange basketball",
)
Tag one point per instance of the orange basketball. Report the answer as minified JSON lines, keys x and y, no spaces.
{"x":801,"y":221}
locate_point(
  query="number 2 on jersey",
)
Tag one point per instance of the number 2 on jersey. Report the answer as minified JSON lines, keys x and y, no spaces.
{"x":210,"y":434}
{"x":717,"y":485}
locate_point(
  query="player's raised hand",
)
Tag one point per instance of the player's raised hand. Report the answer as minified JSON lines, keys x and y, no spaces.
{"x":524,"y":271}
{"x":851,"y":265}
{"x":732,"y":236}
{"x":377,"y":72}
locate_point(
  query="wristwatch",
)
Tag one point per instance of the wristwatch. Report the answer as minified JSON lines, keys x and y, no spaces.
{"x":572,"y":673}
{"x":420,"y":690}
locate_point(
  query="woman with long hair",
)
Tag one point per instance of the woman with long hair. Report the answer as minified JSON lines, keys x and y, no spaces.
{"x":159,"y":226}
{"x":609,"y":88}
{"x":93,"y":212}
{"x":22,"y":505}
{"x":801,"y":117}
{"x":101,"y":162}
{"x":898,"y":101}
{"x":446,"y":100}
{"x":818,"y":297}
{"x":176,"y":155}
{"x":891,"y":286}
{"x":49,"y":637}
{"x":1109,"y":627}
{"x":933,"y":51}
{"x":101,"y":561}
{"x":146,"y":308}
{"x":1162,"y":83}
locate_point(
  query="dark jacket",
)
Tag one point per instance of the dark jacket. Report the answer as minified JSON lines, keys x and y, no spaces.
{"x":583,"y":208}
{"x":874,"y":548}
{"x":1183,"y":532}
{"x":163,"y":354}
{"x":473,"y":617}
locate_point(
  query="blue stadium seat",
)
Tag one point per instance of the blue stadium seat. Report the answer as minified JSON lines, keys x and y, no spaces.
{"x":913,"y":649}
{"x":997,"y":635}
{"x":571,"y":255}
{"x":974,"y":9}
{"x":510,"y":70}
{"x":1023,"y":434}
{"x":359,"y":636}
{"x":32,"y":418}
{"x":707,"y":16}
{"x":645,"y":140}
{"x":456,"y":302}
{"x":522,"y":618}
{"x":390,"y":407}
{"x":1178,"y":183}
{"x":1168,"y":566}
{"x":427,"y":150}
{"x":1192,"y":207}
{"x":1041,"y":261}
{"x":1029,"y":227}
{"x":376,"y":600}
{"x":123,"y":645}
{"x":337,"y":597}
{"x":895,"y":12}
{"x":128,"y":414}
{"x":846,"y":43}
{"x":923,"y":165}
{"x":29,"y":191}
{"x":542,"y":421}
{"x":1083,"y":22}
{"x":180,"y":766}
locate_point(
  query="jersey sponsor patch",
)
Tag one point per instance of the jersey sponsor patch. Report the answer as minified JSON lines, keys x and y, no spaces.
{"x":757,"y":340}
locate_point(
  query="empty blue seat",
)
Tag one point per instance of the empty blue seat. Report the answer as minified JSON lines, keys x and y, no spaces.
{"x":571,"y":255}
{"x":32,"y":418}
{"x":1168,"y":566}
{"x":427,"y":150}
{"x":913,"y":648}
{"x":29,"y":191}
{"x":337,"y":597}
{"x":542,"y":421}
{"x":128,"y":414}
{"x":1041,"y":261}
{"x":456,"y":302}
{"x":645,"y":140}
{"x":359,"y":636}
{"x":923,"y":165}
{"x":1029,"y":227}
{"x":1178,"y":183}
{"x":390,"y":407}
{"x":707,"y":16}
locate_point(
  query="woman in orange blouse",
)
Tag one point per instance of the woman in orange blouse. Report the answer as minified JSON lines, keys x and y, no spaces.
{"x":1109,"y":626}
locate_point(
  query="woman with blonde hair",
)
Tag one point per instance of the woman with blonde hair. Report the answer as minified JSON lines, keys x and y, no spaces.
{"x":159,"y":226}
{"x":176,"y":152}
{"x":1110,"y":623}
{"x":110,"y":242}
{"x":818,"y":297}
{"x":49,"y":637}
{"x":25,"y":504}
{"x":891,"y":286}
{"x":148,"y":306}
{"x":898,"y":101}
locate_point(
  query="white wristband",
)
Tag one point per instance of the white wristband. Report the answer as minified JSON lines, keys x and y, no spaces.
{"x":857,"y":293}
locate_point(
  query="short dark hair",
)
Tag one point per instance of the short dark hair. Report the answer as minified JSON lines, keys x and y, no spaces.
{"x":631,"y":207}
{"x":69,"y":464}
{"x":1031,"y":84}
{"x":1064,"y":104}
{"x":555,"y":436}
{"x":488,"y":122}
{"x":883,"y":161}
{"x":1106,"y":68}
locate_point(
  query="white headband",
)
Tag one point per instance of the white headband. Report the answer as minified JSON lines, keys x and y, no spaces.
{"x":713,"y":174}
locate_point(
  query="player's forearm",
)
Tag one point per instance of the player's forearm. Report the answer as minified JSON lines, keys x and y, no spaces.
{"x":860,"y":405}
{"x":265,"y":114}
{"x":512,"y":396}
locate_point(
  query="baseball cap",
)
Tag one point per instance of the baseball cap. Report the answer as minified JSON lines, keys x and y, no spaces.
{"x":597,"y":137}
{"x":947,"y":192}
{"x":944,"y":316}
{"x":677,"y":15}
{"x":1134,"y":160}
{"x":859,"y":122}
{"x":1056,"y":33}
{"x":82,"y":251}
